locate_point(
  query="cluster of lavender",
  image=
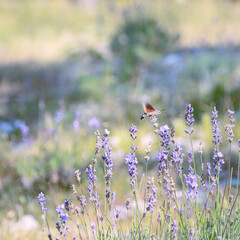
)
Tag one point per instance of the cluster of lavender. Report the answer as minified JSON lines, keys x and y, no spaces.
{"x":170,"y":163}
{"x":106,"y":157}
{"x":218,"y":158}
{"x":152,"y":194}
{"x":131,"y":159}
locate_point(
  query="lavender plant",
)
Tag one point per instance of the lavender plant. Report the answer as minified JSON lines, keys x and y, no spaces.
{"x":184,"y":204}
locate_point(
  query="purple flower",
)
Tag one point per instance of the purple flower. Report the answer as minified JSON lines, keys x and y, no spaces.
{"x":192,"y":183}
{"x":190,"y":156}
{"x":62,"y":228}
{"x":132,"y":162}
{"x":168,"y":217}
{"x":238,"y":145}
{"x":113,"y":197}
{"x":163,"y":133}
{"x":162,"y":158}
{"x":215,"y":129}
{"x":67,"y":203}
{"x":177,"y":155}
{"x":209,"y":169}
{"x":82,"y":201}
{"x":24,"y":129}
{"x":59,"y":209}
{"x":152,"y":200}
{"x":106,"y":157}
{"x":133,"y":130}
{"x":218,"y":160}
{"x":94,"y":198}
{"x":90,"y":170}
{"x":133,"y":147}
{"x":42,"y":202}
{"x":64,"y":217}
{"x":91,"y":178}
{"x":76,"y":125}
{"x":94,"y":123}
{"x":174,"y":229}
{"x":117,"y":213}
{"x":189,"y":118}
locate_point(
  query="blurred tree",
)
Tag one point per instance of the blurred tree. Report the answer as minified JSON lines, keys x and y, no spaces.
{"x":137,"y":41}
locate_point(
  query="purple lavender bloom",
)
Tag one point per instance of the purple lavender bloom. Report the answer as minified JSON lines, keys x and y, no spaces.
{"x":67,"y":203}
{"x":174,"y":229}
{"x":94,"y":123}
{"x":152,"y":200}
{"x":215,"y":129}
{"x":209,"y":169}
{"x":82,"y":201}
{"x":162,"y":158}
{"x":63,"y":229}
{"x":58,"y":227}
{"x":189,"y":115}
{"x":132,"y":162}
{"x":24,"y":129}
{"x":133,"y":147}
{"x":133,"y":130}
{"x":238,"y":145}
{"x":163,"y":133}
{"x":76,"y":125}
{"x":190,"y":156}
{"x":59,"y":209}
{"x":192,"y":183}
{"x":106,"y":157}
{"x":95,"y":199}
{"x":93,"y":226}
{"x":177,"y":155}
{"x":117,"y":213}
{"x":189,"y":118}
{"x":113,"y":197}
{"x":168,"y":217}
{"x":91,"y":177}
{"x":218,"y":160}
{"x":42,"y":202}
{"x":64,"y":217}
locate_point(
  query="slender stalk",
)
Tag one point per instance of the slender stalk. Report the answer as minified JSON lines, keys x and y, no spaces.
{"x":238,"y":169}
{"x":227,"y":179}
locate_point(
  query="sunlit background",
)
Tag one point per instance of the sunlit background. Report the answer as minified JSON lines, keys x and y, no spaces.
{"x":70,"y":67}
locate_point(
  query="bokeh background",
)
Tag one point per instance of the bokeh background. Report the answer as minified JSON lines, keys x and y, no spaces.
{"x":70,"y":67}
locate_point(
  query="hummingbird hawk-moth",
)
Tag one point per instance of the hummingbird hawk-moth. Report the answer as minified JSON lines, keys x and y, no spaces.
{"x":149,"y":111}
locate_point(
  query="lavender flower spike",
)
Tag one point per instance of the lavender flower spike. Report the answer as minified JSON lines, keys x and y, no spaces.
{"x":133,"y":130}
{"x":189,"y":118}
{"x":215,"y":129}
{"x":163,"y":133}
{"x":174,"y":229}
{"x":192,"y":183}
{"x":132,"y":162}
{"x":42,"y":202}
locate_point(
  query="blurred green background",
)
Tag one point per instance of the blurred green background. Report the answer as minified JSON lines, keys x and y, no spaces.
{"x":69,"y":67}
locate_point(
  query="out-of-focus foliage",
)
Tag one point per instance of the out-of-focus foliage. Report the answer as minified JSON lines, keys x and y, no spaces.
{"x":137,"y":41}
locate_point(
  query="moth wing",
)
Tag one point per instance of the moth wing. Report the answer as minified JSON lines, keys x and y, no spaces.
{"x":144,"y":107}
{"x":149,"y":108}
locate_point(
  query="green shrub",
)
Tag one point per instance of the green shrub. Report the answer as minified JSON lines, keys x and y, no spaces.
{"x":138,"y":40}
